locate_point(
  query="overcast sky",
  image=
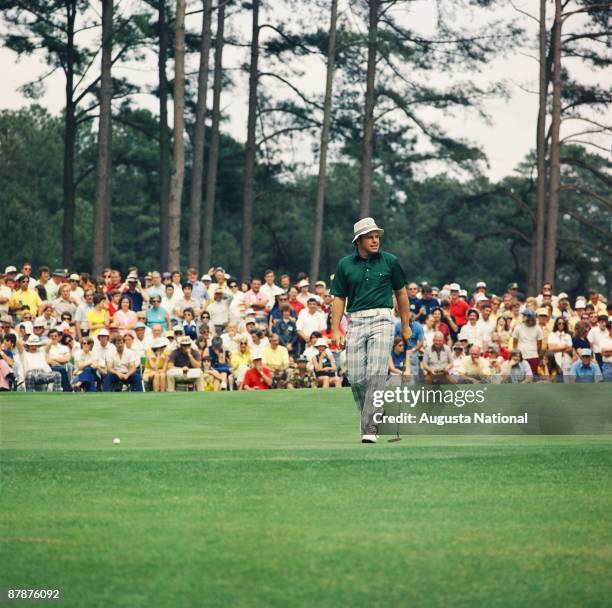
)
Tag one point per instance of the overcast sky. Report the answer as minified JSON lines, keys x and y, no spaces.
{"x":506,"y":140}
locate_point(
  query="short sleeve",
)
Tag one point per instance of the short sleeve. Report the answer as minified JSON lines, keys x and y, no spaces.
{"x":339,"y":286}
{"x":398,"y":278}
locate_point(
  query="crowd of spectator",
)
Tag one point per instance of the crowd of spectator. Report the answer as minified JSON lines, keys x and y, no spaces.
{"x":167,"y":331}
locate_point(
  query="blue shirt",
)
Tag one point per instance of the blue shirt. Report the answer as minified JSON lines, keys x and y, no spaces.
{"x":199,"y":292}
{"x":585,"y":374}
{"x":424,"y":307}
{"x":191,"y":330}
{"x":136,"y":299}
{"x":417,"y":333}
{"x":286,"y":331}
{"x":399,"y":361}
{"x":156,"y":291}
{"x":157,"y":315}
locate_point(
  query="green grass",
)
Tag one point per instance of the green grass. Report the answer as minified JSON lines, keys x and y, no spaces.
{"x":268,"y":500}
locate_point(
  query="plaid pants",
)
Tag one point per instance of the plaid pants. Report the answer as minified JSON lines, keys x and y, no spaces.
{"x":39,"y":377}
{"x":369,"y":341}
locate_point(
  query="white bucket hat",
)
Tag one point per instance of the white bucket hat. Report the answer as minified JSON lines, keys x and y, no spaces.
{"x":321,"y":342}
{"x":367,"y":224}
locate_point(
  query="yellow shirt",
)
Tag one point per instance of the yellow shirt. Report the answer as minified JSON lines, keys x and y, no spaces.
{"x":277,"y":358}
{"x":238,"y":359}
{"x":96,"y":321}
{"x":160,"y":362}
{"x":479,"y":369}
{"x":29,"y":298}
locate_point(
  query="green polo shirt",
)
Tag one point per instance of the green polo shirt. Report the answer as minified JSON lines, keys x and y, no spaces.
{"x":368,"y":283}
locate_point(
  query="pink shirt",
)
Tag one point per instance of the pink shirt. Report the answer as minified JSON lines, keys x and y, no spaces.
{"x":259,"y":299}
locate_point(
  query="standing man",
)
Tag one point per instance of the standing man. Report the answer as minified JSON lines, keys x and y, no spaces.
{"x":367,"y":278}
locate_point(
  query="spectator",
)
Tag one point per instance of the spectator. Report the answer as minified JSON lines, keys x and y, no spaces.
{"x":475,"y":368}
{"x":597,"y":335}
{"x":301,"y":376}
{"x":276,"y":312}
{"x":122,"y":367}
{"x":24,"y":299}
{"x":270,"y":289}
{"x":598,"y":306}
{"x":560,"y":345}
{"x":258,"y":377}
{"x":413,"y":299}
{"x":97,"y":318}
{"x":440,"y":326}
{"x":113,"y":303}
{"x":240,"y":360}
{"x":458,"y":307}
{"x":516,"y":370}
{"x":36,"y":370}
{"x":212,"y":380}
{"x":579,"y":339}
{"x":157,"y":315}
{"x":86,"y":368}
{"x":190,"y":327}
{"x":198,"y":291}
{"x":304,"y":293}
{"x":218,"y":310}
{"x":585,"y":369}
{"x":471,"y":330}
{"x":397,"y":359}
{"x":276,"y":358}
{"x":502,"y":329}
{"x":437,"y":362}
{"x":486,"y":324}
{"x":324,"y":366}
{"x":527,"y":337}
{"x":456,"y":371}
{"x":80,"y":316}
{"x":58,"y":277}
{"x":230,"y":337}
{"x":257,"y":300}
{"x":310,"y":319}
{"x":185,"y":363}
{"x":124,"y":319}
{"x":156,"y":366}
{"x":258,"y":341}
{"x":294,"y":302}
{"x":427,"y":304}
{"x":219,"y":361}
{"x":58,"y":358}
{"x":65,"y":302}
{"x":429,"y":330}
{"x":188,"y":301}
{"x":134,"y":292}
{"x":103,"y":350}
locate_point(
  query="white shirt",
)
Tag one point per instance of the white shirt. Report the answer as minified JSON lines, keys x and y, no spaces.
{"x":486,"y":328}
{"x":595,"y":336}
{"x":257,"y":349}
{"x":606,"y":344}
{"x":103,"y":354}
{"x":308,"y":323}
{"x":57,"y":351}
{"x":528,"y":339}
{"x":219,"y":312}
{"x":560,"y":338}
{"x":83,"y":357}
{"x":230,"y":343}
{"x":6,"y":292}
{"x":35,"y":360}
{"x":472,"y":334}
{"x":271,"y":291}
{"x":121,"y":362}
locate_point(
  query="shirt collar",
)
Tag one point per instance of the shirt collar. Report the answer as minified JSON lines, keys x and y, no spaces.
{"x":357,"y":257}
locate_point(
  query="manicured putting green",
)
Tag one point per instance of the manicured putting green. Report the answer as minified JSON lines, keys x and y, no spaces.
{"x":269,"y":500}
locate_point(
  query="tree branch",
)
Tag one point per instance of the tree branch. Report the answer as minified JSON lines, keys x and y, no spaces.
{"x":583,"y":190}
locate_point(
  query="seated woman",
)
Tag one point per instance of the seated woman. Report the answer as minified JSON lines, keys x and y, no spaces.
{"x":125,"y":318}
{"x":219,"y":360}
{"x":157,"y":365}
{"x":211,"y":377}
{"x":86,"y":367}
{"x":397,"y":359}
{"x":324,"y":366}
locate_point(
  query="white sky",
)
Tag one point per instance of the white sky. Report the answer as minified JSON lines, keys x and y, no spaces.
{"x":506,"y":140}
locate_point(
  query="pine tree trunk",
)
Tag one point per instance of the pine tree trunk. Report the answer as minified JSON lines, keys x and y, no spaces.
{"x":538,"y":265}
{"x":102,"y":203}
{"x":164,"y":136}
{"x":327,"y":107}
{"x":555,"y":153}
{"x":365,"y":196}
{"x":249,"y":168}
{"x":213,"y":156}
{"x":178,"y":169}
{"x":70,"y":128}
{"x":195,"y":198}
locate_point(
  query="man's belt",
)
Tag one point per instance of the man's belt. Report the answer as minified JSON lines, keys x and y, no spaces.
{"x":370,"y":312}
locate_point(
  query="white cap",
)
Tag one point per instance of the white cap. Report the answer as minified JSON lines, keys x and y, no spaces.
{"x":454,"y":287}
{"x":74,"y":277}
{"x":185,"y":340}
{"x":103,"y":332}
{"x":34,"y":341}
{"x":10,"y":269}
{"x":39,"y":322}
{"x":462,"y":292}
{"x":249,"y":311}
{"x":479,"y":297}
{"x":562,"y":296}
{"x":303,"y":283}
{"x":159,"y":343}
{"x":367,"y":224}
{"x":321,"y":342}
{"x":580,"y":303}
{"x":480,"y":284}
{"x":206,"y":277}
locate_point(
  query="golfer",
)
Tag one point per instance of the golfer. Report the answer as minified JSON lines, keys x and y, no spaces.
{"x":367,"y":278}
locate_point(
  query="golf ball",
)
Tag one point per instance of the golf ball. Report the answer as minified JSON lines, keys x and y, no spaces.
{"x":116,"y":441}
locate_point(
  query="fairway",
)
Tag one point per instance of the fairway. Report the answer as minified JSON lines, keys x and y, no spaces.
{"x":268,"y":499}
